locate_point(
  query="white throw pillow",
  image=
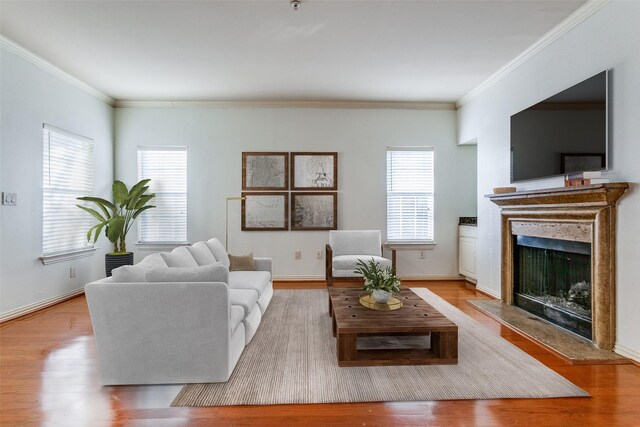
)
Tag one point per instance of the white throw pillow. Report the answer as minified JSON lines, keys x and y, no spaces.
{"x":129,"y":273}
{"x":201,"y":253}
{"x":179,"y":257}
{"x":215,"y":272}
{"x":218,"y":251}
{"x":152,"y":261}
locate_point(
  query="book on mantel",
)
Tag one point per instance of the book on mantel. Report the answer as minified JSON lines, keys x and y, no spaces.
{"x":584,"y":178}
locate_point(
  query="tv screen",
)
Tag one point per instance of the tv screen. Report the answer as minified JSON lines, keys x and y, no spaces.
{"x":563,"y":134}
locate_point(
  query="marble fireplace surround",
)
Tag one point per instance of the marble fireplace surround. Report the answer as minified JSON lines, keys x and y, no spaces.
{"x":583,"y":214}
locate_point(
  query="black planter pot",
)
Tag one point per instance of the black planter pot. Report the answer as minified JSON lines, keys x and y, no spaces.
{"x":116,"y":260}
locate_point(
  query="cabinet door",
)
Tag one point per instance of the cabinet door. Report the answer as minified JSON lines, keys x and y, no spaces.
{"x":467,"y":254}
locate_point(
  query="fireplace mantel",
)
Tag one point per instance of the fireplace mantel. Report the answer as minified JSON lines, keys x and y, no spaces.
{"x":586,"y":214}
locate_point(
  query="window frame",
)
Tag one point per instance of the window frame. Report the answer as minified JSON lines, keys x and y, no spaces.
{"x":399,"y":243}
{"x":83,"y":221}
{"x":162,"y":244}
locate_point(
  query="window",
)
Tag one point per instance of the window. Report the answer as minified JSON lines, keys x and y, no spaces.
{"x":167,"y":169}
{"x":67,"y":173}
{"x":410,"y":194}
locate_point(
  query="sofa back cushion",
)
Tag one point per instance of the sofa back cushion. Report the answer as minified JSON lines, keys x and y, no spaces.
{"x":215,"y":272}
{"x":137,"y":273}
{"x":218,"y":251}
{"x":179,"y":257}
{"x":129,"y":273}
{"x":355,"y":242}
{"x":201,"y":253}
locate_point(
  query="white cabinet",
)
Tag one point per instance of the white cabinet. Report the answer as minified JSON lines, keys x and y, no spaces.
{"x":467,"y":251}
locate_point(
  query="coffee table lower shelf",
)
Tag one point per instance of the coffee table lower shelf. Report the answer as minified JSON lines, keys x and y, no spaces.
{"x":443,"y":351}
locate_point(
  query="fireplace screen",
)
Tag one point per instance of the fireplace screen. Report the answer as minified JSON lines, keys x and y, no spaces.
{"x":552,"y":279}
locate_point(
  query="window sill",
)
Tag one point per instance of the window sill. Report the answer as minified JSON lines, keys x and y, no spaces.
{"x":66,"y":256}
{"x":159,"y":246}
{"x":409,"y":246}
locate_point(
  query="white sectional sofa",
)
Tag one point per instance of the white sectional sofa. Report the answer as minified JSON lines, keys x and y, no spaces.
{"x":178,"y":317}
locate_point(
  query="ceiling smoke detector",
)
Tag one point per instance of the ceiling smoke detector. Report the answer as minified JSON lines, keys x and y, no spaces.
{"x":295,"y":4}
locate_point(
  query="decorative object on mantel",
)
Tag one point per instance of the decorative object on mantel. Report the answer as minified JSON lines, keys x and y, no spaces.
{"x":117,"y":218}
{"x":586,"y":215}
{"x":380,"y":283}
{"x":584,"y":178}
{"x":501,"y":190}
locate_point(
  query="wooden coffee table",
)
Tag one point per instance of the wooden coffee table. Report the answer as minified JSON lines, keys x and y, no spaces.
{"x":351,"y":320}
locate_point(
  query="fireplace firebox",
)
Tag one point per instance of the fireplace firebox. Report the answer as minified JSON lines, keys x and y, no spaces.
{"x":552,"y":279}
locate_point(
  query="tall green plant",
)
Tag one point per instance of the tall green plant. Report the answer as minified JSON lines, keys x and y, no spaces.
{"x":377,"y":278}
{"x":117,"y":217}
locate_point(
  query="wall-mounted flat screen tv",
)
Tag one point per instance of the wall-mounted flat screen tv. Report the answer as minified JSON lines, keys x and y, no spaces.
{"x":563,"y":134}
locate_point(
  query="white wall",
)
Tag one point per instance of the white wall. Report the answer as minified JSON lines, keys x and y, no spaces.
{"x":609,"y":39}
{"x":216,"y":138}
{"x":31,"y":97}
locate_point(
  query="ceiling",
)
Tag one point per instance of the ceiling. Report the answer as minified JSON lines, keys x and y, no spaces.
{"x":384,"y":51}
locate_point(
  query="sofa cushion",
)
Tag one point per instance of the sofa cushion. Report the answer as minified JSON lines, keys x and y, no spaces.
{"x":256,"y":280}
{"x":218,"y":251}
{"x":235,"y":317}
{"x":152,"y":261}
{"x":179,"y":257}
{"x":246,"y":298}
{"x":129,"y":274}
{"x":242,"y":263}
{"x":351,"y":242}
{"x":215,"y":272}
{"x":349,"y":262}
{"x":201,"y":253}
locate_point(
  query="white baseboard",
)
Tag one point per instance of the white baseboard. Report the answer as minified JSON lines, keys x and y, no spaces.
{"x":416,"y":277}
{"x":627,"y":352}
{"x":27,"y":309}
{"x":488,"y":291}
{"x":297,"y":278}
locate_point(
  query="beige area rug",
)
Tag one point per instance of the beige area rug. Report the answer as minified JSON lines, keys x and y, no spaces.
{"x":292,"y":359}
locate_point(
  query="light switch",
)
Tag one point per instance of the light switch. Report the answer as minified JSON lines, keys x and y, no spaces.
{"x":9,"y":199}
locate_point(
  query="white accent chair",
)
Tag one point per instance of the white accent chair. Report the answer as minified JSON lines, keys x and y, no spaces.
{"x":344,"y":250}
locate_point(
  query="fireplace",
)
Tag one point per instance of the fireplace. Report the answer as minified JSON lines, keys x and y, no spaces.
{"x":552,"y":279}
{"x":558,"y":256}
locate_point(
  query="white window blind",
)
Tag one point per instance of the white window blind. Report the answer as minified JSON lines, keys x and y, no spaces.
{"x":67,"y":173}
{"x":410,"y":186}
{"x":167,"y":169}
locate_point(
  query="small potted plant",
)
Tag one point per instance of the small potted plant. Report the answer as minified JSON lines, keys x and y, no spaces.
{"x":117,"y":218}
{"x":381,"y":283}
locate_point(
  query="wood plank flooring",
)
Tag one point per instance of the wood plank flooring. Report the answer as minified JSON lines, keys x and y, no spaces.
{"x":48,"y":377}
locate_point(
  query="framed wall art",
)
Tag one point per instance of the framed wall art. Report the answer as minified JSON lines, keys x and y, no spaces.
{"x":268,"y":211}
{"x":265,"y":171}
{"x":314,"y":171}
{"x":314,"y":211}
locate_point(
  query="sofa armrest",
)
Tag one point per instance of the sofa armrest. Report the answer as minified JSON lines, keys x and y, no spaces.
{"x":264,"y":264}
{"x":152,"y":333}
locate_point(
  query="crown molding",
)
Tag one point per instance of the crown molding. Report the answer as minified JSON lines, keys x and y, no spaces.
{"x":290,"y":104}
{"x":52,"y":69}
{"x":573,"y":20}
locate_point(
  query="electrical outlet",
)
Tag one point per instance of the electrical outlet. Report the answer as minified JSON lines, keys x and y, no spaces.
{"x":421,"y":254}
{"x":318,"y":254}
{"x":9,"y":199}
{"x":297,"y":255}
{"x":73,"y":271}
